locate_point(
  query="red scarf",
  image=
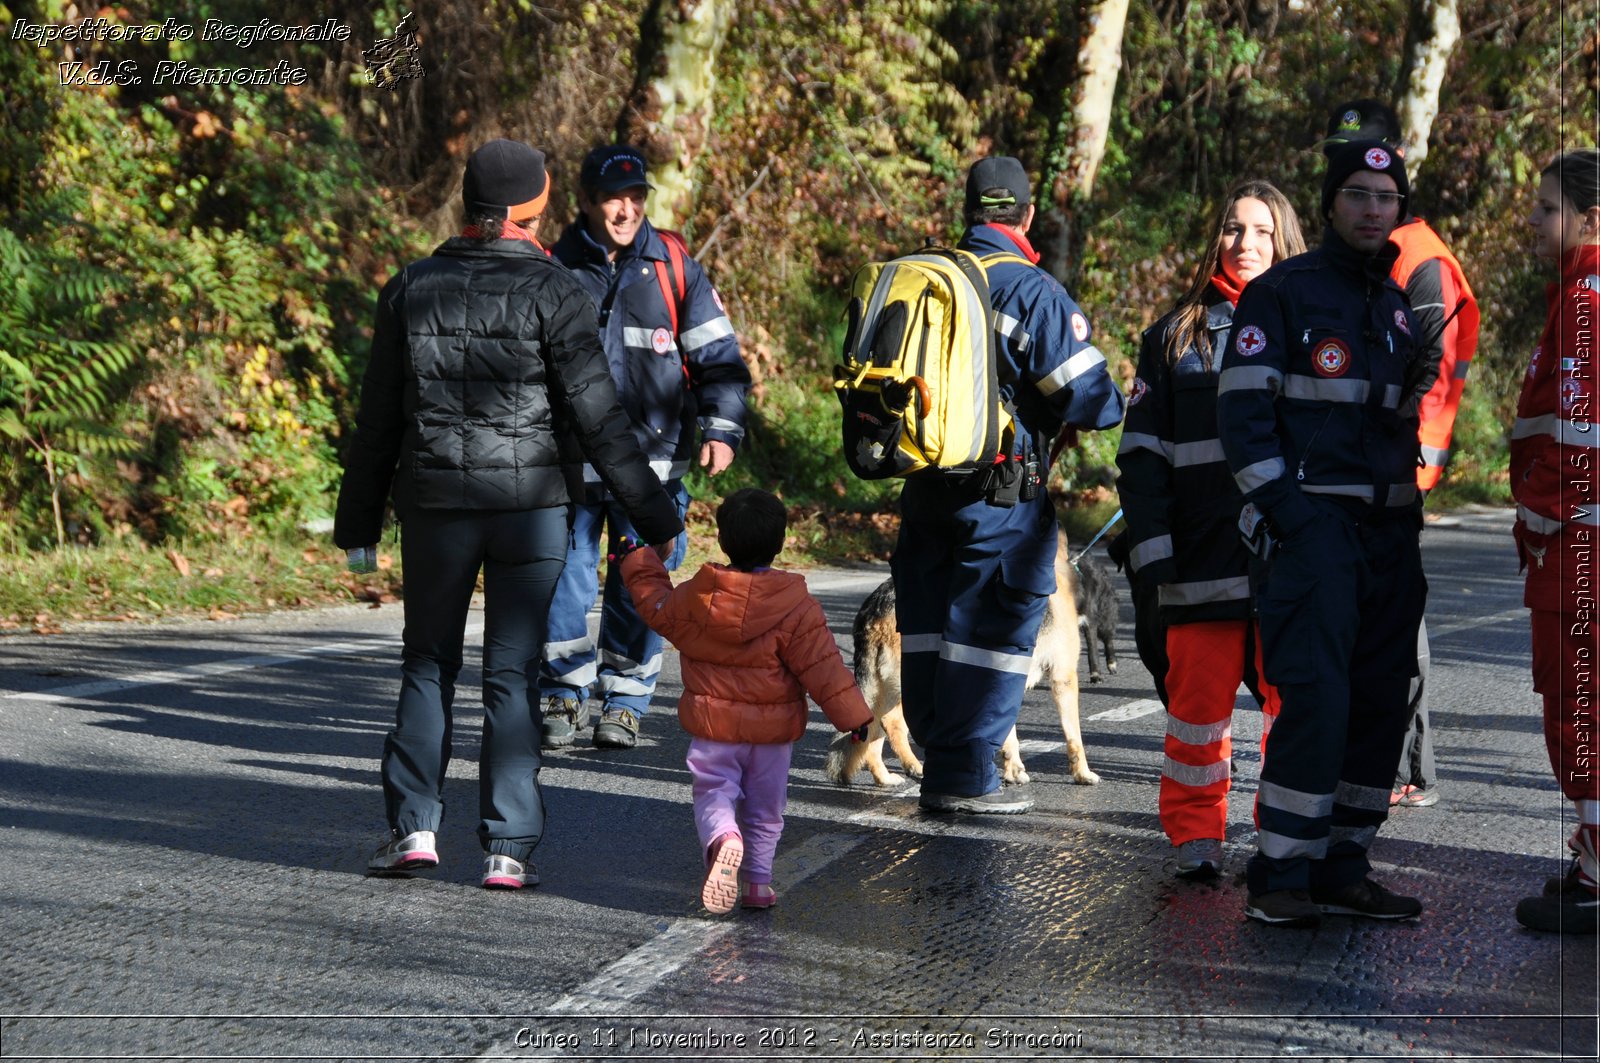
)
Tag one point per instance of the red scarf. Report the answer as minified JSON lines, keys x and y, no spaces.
{"x":509,"y":230}
{"x":1222,"y":284}
{"x":1020,"y":240}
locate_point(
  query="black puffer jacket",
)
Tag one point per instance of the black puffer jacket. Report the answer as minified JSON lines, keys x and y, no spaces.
{"x":486,"y":389}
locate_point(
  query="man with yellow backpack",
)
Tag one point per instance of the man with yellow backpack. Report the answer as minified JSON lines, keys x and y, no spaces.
{"x":974,"y":564}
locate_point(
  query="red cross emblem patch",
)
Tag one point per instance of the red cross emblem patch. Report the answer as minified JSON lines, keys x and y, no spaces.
{"x":1252,"y":341}
{"x":1331,"y":358}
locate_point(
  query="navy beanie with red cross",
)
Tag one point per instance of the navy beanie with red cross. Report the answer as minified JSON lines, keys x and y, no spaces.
{"x":1357,"y":155}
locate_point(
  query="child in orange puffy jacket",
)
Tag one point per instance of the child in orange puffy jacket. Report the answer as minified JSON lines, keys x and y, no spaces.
{"x":753,"y":643}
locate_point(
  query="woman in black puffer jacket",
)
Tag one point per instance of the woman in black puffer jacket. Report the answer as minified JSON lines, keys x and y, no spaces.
{"x":486,"y":388}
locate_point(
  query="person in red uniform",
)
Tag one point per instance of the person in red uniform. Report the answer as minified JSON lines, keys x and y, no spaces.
{"x":1182,"y":508}
{"x":1447,"y":315}
{"x":1553,"y":470}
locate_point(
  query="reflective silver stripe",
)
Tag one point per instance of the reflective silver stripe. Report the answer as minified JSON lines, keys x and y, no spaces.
{"x":1250,"y":378}
{"x":1543,"y":425}
{"x":1283,"y":847}
{"x":1428,"y":306}
{"x":626,"y":685}
{"x":666,"y":470}
{"x":703,"y":334}
{"x":993,"y":660}
{"x":1361,"y":491}
{"x":1204,"y":452}
{"x":1195,"y":775}
{"x":1434,"y":455}
{"x":1391,"y":396}
{"x":1370,"y":798}
{"x":869,"y":320}
{"x":1589,"y":515}
{"x":1401,"y":494}
{"x":641,"y":338}
{"x":1536,"y":523}
{"x":721,"y":424}
{"x":580,"y":677}
{"x":1297,"y":802}
{"x":1316,"y":389}
{"x":1588,"y":812}
{"x":1591,"y":282}
{"x":1199,"y":592}
{"x":1132,"y":441}
{"x":1157,"y":549}
{"x":1009,"y":327}
{"x":555,"y":651}
{"x":1198,"y":734}
{"x":1260,"y":474}
{"x":1577,"y":434}
{"x":921,"y":643}
{"x":1362,"y":836}
{"x":1462,"y":369}
{"x":1074,"y":367}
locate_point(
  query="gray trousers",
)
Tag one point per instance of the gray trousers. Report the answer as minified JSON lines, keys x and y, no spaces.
{"x":1416,"y":755}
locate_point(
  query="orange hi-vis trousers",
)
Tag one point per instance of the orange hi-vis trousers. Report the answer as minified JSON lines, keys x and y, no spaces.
{"x":1207,"y":666}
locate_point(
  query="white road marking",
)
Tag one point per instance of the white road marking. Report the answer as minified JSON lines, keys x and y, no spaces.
{"x":1483,"y":621}
{"x":1130,"y":710}
{"x":197,"y":671}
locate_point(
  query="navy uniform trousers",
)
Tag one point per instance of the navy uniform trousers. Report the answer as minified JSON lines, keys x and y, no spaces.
{"x":1339,"y":609}
{"x":971,"y":584}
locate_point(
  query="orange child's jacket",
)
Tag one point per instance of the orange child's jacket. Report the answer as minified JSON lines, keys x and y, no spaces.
{"x":752,"y":645}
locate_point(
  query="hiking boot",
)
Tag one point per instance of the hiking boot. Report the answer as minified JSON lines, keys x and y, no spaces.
{"x":617,"y":729}
{"x":416,"y":851}
{"x":1200,"y":859}
{"x":1576,"y":912}
{"x":1366,"y":898}
{"x":502,"y":872}
{"x":757,"y":895}
{"x":563,"y":718}
{"x":1283,"y":908}
{"x":720,"y":889}
{"x":1409,"y":796}
{"x":1560,"y":885}
{"x":1005,"y":801}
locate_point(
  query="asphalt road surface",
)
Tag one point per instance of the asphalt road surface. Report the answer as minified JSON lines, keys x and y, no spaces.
{"x":187,"y":810}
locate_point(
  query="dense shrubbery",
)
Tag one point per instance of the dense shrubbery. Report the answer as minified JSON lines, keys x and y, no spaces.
{"x":191,"y":271}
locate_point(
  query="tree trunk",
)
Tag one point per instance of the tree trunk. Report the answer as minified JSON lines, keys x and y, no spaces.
{"x":1099,"y":60}
{"x":1434,"y":29}
{"x":669,"y":112}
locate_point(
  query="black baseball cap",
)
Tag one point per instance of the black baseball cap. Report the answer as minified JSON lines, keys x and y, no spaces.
{"x":997,"y":171}
{"x":612,"y":169}
{"x":1364,"y":119}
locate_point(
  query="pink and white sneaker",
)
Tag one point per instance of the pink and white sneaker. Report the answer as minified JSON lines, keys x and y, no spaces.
{"x":502,"y":872}
{"x":417,"y":851}
{"x":720,"y":890}
{"x":757,"y":895}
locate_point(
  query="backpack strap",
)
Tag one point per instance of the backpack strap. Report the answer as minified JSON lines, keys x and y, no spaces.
{"x":677,"y":251}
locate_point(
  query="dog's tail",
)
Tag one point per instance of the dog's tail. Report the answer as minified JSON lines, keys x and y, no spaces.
{"x":847,"y":758}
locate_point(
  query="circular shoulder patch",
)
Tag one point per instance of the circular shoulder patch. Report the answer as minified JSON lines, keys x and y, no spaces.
{"x":716,"y":297}
{"x":1080,"y":327}
{"x":1331,"y":358}
{"x":1573,"y":391}
{"x":1533,"y":363}
{"x":1251,"y":342}
{"x":1401,"y":323}
{"x":661,"y":341}
{"x":1139,"y":390}
{"x":1378,"y":159}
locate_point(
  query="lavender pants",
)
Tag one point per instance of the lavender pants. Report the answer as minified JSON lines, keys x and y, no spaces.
{"x":741,"y":788}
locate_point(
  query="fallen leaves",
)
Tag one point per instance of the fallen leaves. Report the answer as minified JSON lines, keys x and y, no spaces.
{"x":179,"y":562}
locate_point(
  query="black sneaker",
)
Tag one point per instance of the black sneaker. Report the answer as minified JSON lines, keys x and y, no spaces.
{"x":563,"y":717}
{"x":1366,"y":898}
{"x":1283,"y":908}
{"x":1564,"y":913}
{"x":1559,"y":885}
{"x":1006,"y":801}
{"x":617,"y":729}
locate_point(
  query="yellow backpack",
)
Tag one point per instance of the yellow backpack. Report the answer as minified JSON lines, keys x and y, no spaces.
{"x":918,"y":380}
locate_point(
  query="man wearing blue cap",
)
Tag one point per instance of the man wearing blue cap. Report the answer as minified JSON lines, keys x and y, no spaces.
{"x":678,"y":372}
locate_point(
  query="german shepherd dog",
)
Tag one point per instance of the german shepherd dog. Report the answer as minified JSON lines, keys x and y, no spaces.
{"x":877,"y":657}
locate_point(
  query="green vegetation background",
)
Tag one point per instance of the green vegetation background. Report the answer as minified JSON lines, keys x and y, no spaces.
{"x":190,"y":271}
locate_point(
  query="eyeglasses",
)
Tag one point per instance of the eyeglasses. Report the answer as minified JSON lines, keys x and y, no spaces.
{"x":1360,"y":197}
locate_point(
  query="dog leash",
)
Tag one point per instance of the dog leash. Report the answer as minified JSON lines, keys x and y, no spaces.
{"x":1097,"y":537}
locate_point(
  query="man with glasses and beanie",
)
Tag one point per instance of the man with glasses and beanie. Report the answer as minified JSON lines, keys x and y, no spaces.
{"x":679,"y":376}
{"x":485,"y":380}
{"x":1316,"y":408}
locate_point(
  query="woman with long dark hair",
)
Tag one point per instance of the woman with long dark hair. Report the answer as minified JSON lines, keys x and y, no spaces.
{"x":1553,"y":470}
{"x":1182,"y":508}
